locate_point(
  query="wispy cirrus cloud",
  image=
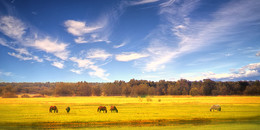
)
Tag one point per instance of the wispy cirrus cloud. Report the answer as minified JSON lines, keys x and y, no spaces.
{"x":12,"y":27}
{"x":140,"y":2}
{"x":98,"y":72}
{"x":21,"y":53}
{"x":87,"y":34}
{"x":120,"y":45}
{"x":82,"y":63}
{"x":88,"y":64}
{"x":26,"y":39}
{"x":25,"y":57}
{"x":99,"y":30}
{"x":128,"y":56}
{"x":79,"y":28}
{"x":77,"y":71}
{"x":54,"y":47}
{"x":98,"y":54}
{"x":179,"y":37}
{"x":59,"y":65}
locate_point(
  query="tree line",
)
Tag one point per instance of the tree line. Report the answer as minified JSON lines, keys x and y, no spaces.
{"x":134,"y":87}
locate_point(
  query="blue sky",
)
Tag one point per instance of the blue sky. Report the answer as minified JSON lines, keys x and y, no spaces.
{"x":107,"y":40}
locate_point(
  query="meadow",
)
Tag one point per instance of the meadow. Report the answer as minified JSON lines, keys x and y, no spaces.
{"x":157,"y":112}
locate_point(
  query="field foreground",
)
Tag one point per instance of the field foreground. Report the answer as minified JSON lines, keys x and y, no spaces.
{"x":167,"y":112}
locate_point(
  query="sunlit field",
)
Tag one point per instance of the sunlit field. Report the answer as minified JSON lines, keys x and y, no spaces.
{"x":184,"y":112}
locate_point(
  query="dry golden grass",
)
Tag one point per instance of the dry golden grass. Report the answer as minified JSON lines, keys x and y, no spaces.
{"x":171,"y":110}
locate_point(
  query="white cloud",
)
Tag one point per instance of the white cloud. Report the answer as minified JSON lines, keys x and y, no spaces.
{"x":82,"y":63}
{"x":248,"y":71}
{"x":120,"y":45}
{"x":12,"y":27}
{"x":58,"y":49}
{"x":62,"y":55}
{"x":6,"y":73}
{"x":91,"y":39}
{"x":16,"y":29}
{"x":59,"y":65}
{"x":79,"y":28}
{"x":258,"y":53}
{"x":167,"y":3}
{"x":76,"y":71}
{"x":128,"y":56}
{"x":98,"y":54}
{"x":22,"y":51}
{"x":80,"y":40}
{"x":160,"y":55}
{"x":195,"y":36}
{"x":49,"y":46}
{"x":98,"y":72}
{"x":85,"y":64}
{"x":27,"y":57}
{"x":3,"y":42}
{"x":140,"y":2}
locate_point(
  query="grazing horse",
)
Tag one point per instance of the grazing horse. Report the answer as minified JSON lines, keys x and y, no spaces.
{"x":102,"y":108}
{"x":215,"y":107}
{"x":54,"y":108}
{"x":68,"y":109}
{"x":113,"y":108}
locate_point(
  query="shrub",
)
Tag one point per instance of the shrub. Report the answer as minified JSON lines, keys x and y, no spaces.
{"x":38,"y":96}
{"x":25,"y":96}
{"x":9,"y":95}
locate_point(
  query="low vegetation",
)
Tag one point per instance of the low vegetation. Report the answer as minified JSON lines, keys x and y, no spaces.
{"x":172,"y":111}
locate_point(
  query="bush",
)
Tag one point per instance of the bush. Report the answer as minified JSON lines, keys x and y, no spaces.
{"x":25,"y":96}
{"x":9,"y":95}
{"x":38,"y":96}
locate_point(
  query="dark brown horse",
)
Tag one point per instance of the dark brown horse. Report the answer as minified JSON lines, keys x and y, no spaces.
{"x":102,"y":108}
{"x":68,"y":109}
{"x":113,"y":108}
{"x":54,"y":108}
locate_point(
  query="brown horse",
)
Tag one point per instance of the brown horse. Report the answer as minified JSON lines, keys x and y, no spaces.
{"x":102,"y":108}
{"x":113,"y":108}
{"x":54,"y":108}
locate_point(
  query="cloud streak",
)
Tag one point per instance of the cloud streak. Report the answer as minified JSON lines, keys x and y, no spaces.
{"x":251,"y":71}
{"x":187,"y":37}
{"x":25,"y":57}
{"x":24,"y":37}
{"x":128,"y":56}
{"x":141,"y":2}
{"x":120,"y":45}
{"x":12,"y":27}
{"x":58,"y":49}
{"x":98,"y":54}
{"x":59,"y":65}
{"x":79,"y":28}
{"x":88,"y":64}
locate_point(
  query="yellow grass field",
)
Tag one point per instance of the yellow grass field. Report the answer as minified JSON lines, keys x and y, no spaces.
{"x":161,"y":112}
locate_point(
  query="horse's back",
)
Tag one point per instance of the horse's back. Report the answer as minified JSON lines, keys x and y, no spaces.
{"x":102,"y":108}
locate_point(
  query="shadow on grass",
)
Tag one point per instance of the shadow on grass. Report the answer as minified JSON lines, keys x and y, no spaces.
{"x":135,"y":123}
